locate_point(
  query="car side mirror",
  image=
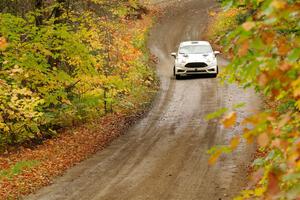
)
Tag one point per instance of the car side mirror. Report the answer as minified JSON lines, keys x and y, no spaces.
{"x":217,"y":52}
{"x":174,"y":54}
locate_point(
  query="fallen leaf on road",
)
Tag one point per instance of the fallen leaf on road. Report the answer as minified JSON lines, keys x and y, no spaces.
{"x":229,"y":120}
{"x":235,"y":142}
{"x":214,"y":157}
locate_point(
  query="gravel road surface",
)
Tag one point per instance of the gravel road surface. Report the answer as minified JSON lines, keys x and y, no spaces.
{"x":163,"y":156}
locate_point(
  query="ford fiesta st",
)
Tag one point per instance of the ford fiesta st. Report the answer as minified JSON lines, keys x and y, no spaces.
{"x":195,"y":57}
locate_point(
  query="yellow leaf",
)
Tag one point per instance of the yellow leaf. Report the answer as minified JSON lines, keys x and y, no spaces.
{"x":296,"y":88}
{"x":235,"y":142}
{"x":259,"y":191}
{"x":248,"y":25}
{"x":212,"y":13}
{"x":248,"y":136}
{"x":229,"y":120}
{"x":278,"y":4}
{"x":214,"y":157}
{"x":293,"y":158}
{"x":297,"y":92}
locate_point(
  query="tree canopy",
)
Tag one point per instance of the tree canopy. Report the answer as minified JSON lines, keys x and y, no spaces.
{"x":266,"y":48}
{"x":66,"y":61}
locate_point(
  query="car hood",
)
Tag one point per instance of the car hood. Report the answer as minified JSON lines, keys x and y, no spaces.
{"x":197,"y":57}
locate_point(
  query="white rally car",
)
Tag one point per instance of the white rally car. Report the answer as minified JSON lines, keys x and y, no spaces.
{"x":195,"y":57}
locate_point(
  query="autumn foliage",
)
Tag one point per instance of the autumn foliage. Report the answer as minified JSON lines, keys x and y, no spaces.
{"x":264,"y":45}
{"x":65,"y":62}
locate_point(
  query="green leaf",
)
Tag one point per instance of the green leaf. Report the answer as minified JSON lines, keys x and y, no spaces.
{"x":294,"y":192}
{"x":291,"y":177}
{"x":216,"y":114}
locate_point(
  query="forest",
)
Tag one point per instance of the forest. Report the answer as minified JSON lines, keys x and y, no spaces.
{"x":63,"y":62}
{"x":66,"y":62}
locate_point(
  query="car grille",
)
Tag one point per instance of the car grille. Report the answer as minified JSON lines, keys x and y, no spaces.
{"x":195,"y":71}
{"x":196,"y":65}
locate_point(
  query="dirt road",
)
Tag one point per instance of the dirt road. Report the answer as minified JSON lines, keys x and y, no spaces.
{"x":163,"y":157}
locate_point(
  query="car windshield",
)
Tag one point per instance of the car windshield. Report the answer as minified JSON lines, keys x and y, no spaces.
{"x":195,"y":49}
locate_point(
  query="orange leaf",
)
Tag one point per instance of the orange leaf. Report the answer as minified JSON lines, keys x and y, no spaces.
{"x":243,"y":50}
{"x":214,"y":157}
{"x":229,"y":120}
{"x":235,"y":142}
{"x":276,"y":132}
{"x":263,"y":140}
{"x":263,"y":79}
{"x":248,"y":136}
{"x":268,"y":37}
{"x":273,"y":185}
{"x":275,"y":92}
{"x":283,"y":48}
{"x":3,"y":43}
{"x":285,"y":66}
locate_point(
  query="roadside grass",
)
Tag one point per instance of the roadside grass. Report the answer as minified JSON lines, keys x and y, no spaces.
{"x":17,"y":169}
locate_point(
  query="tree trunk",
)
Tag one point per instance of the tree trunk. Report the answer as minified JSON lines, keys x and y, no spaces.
{"x":39,"y":16}
{"x":58,"y":11}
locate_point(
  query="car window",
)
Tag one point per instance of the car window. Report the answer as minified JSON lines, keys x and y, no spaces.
{"x":195,"y":49}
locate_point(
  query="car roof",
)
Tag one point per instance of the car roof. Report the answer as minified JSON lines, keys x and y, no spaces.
{"x":194,"y":43}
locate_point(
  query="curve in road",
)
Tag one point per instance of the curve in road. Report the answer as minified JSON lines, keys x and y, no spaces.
{"x":163,"y":156}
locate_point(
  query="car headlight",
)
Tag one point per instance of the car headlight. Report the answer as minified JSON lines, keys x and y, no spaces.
{"x":212,"y":61}
{"x":182,"y":61}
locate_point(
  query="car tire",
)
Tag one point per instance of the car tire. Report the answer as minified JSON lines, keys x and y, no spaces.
{"x":177,"y":76}
{"x":174,"y":71}
{"x":216,"y":74}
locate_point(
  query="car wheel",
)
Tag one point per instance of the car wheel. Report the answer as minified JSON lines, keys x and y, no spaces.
{"x":177,"y":76}
{"x":174,"y":71}
{"x":216,"y":74}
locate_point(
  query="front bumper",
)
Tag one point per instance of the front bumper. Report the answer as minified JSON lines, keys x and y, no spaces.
{"x":190,"y":71}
